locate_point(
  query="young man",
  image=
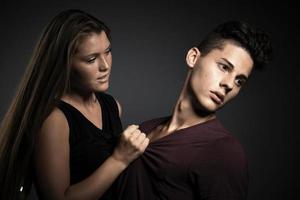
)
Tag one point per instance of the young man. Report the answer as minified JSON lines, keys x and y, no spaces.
{"x":191,"y":155}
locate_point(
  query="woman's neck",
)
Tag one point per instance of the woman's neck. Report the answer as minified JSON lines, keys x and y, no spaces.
{"x":84,"y":99}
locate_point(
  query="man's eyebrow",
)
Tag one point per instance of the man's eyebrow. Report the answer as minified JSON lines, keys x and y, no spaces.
{"x":229,"y":63}
{"x":241,"y":76}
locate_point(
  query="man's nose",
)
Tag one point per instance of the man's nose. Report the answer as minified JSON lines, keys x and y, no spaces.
{"x":227,"y":83}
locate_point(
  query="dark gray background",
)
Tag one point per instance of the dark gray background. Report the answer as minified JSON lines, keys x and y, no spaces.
{"x":150,"y":41}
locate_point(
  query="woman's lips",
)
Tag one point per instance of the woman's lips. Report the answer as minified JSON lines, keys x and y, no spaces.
{"x":103,"y":78}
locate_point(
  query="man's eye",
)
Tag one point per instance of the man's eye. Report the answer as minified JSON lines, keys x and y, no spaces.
{"x":224,"y":67}
{"x":239,"y":82}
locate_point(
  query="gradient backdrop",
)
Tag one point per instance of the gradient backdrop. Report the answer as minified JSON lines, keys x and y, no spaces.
{"x":150,"y":41}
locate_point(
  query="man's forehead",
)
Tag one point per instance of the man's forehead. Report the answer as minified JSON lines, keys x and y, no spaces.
{"x":236,"y":56}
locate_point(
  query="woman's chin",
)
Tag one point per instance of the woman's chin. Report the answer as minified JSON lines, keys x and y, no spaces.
{"x":103,"y":87}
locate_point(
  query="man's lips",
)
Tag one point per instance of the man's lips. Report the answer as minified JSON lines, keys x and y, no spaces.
{"x":218,"y":97}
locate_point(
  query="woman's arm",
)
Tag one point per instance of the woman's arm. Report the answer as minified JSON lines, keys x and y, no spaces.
{"x":119,"y":108}
{"x":52,"y":161}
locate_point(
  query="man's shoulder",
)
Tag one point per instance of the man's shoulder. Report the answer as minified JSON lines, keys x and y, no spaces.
{"x":219,"y":142}
{"x":224,"y":155}
{"x":228,"y":143}
{"x":222,"y":139}
{"x":225,"y":140}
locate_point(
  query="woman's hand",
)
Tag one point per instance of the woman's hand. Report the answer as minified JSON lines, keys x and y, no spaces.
{"x":131,"y":145}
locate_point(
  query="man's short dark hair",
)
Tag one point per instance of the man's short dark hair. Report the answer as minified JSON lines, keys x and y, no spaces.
{"x":256,"y":42}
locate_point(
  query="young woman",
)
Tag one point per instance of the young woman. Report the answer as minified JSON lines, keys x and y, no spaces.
{"x":62,"y":131}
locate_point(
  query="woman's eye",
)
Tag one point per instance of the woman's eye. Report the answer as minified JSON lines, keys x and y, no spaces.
{"x":108,"y":51}
{"x":91,"y":60}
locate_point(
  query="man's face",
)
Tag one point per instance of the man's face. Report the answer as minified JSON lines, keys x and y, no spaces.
{"x":217,"y":77}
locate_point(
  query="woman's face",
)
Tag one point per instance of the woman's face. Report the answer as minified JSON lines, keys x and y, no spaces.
{"x":91,"y":64}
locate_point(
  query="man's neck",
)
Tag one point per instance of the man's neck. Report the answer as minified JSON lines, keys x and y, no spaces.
{"x":184,"y":114}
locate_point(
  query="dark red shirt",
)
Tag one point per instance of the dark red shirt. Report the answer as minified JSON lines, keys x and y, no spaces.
{"x":199,"y":162}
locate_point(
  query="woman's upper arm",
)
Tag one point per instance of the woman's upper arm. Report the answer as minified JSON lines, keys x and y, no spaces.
{"x":52,"y":156}
{"x":119,"y":108}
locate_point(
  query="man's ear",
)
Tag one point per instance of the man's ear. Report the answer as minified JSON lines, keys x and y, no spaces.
{"x":192,"y":57}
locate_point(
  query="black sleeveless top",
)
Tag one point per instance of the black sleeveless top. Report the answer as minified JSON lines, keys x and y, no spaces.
{"x":89,"y":145}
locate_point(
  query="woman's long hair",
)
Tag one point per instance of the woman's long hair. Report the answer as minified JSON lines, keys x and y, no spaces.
{"x":45,"y":80}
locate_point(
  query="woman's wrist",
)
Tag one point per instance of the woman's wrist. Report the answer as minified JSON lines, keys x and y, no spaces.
{"x":118,"y":161}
